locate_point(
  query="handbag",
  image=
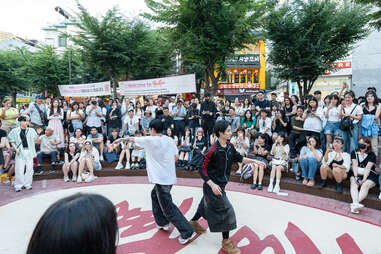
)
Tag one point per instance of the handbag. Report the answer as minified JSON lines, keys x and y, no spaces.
{"x":70,"y":126}
{"x":346,"y":124}
{"x":43,"y":117}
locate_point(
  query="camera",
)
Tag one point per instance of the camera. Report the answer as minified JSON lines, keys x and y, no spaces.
{"x":309,"y":111}
{"x":94,"y":103}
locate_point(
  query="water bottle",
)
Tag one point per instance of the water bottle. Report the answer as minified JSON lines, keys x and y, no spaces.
{"x":43,"y":184}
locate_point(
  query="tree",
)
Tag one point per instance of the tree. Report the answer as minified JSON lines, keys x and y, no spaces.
{"x":307,"y":37}
{"x":121,"y":48}
{"x":376,"y":15}
{"x":13,"y":73}
{"x":208,"y":32}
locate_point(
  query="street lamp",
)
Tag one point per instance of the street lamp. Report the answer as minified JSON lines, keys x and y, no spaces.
{"x":66,"y":15}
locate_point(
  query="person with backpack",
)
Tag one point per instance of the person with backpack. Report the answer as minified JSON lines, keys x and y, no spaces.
{"x":215,"y":206}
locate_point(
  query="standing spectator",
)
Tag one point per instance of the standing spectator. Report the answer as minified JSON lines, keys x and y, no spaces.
{"x":295,"y":100}
{"x":194,"y":117}
{"x":145,"y":122}
{"x":131,"y":124}
{"x":172,"y":104}
{"x":23,"y":140}
{"x":114,"y":117}
{"x":55,"y":117}
{"x":8,"y":115}
{"x":94,"y":115}
{"x":279,"y":163}
{"x":333,"y":120}
{"x":363,"y":175}
{"x":139,"y":112}
{"x":235,"y":121}
{"x":179,"y":113}
{"x":71,"y":162}
{"x":261,"y":103}
{"x":310,"y":157}
{"x":48,"y":148}
{"x":37,"y":113}
{"x":317,"y":95}
{"x":336,"y":164}
{"x":369,"y":123}
{"x":289,"y":107}
{"x":89,"y":159}
{"x":208,"y":111}
{"x":126,"y":107}
{"x":96,"y":141}
{"x":75,"y":116}
{"x":264,"y":123}
{"x":151,"y":107}
{"x":297,"y":138}
{"x":350,"y":110}
{"x":313,"y":116}
{"x":166,"y":119}
{"x":274,"y":101}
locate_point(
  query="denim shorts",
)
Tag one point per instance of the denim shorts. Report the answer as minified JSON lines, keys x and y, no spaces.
{"x":333,"y":129}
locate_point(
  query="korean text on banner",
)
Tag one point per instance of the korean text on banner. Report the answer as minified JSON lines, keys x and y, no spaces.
{"x":85,"y":90}
{"x":166,"y":85}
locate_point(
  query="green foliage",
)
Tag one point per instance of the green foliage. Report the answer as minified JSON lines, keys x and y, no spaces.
{"x":121,"y":48}
{"x":207,"y":32}
{"x":376,"y":13}
{"x":307,"y":37}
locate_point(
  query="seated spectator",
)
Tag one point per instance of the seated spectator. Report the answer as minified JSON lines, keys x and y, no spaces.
{"x":363,"y":175}
{"x":131,"y":124}
{"x":8,"y":115}
{"x":235,"y":120}
{"x":75,"y":116}
{"x":261,"y":151}
{"x":3,"y":145}
{"x":78,"y":138}
{"x":264,"y":123}
{"x":145,"y":122}
{"x":336,"y":164}
{"x":310,"y":157}
{"x":200,"y":143}
{"x":296,"y":139}
{"x":248,"y":121}
{"x":213,"y":138}
{"x":112,"y":146}
{"x":137,"y":154}
{"x":279,"y":123}
{"x":88,"y":160}
{"x":71,"y":162}
{"x":241,"y":144}
{"x":48,"y":149}
{"x":95,"y":233}
{"x":9,"y":164}
{"x":125,"y":152}
{"x":97,"y":141}
{"x":333,"y":121}
{"x":185,"y":149}
{"x":170,"y":133}
{"x":279,"y":163}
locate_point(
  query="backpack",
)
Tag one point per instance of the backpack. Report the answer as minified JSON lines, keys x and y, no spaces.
{"x":346,"y":124}
{"x":197,"y":160}
{"x":247,"y":172}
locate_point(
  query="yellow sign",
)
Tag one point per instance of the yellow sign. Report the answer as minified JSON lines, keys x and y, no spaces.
{"x":20,"y":100}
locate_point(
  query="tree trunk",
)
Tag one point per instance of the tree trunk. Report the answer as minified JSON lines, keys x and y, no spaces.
{"x":214,"y":79}
{"x":14,"y":96}
{"x":114,"y":83}
{"x":301,"y":97}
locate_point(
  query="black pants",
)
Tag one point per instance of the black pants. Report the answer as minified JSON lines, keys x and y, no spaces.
{"x":207,"y":126}
{"x":296,"y":142}
{"x":179,"y":128}
{"x":165,"y":211}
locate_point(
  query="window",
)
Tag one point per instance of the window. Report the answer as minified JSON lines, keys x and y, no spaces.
{"x":62,"y":41}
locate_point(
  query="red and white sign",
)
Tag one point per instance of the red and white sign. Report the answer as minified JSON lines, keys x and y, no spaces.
{"x":264,"y":224}
{"x":166,"y":85}
{"x":339,"y":66}
{"x":85,"y":90}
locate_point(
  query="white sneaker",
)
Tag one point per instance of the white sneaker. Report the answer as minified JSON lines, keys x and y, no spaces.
{"x":79,"y":179}
{"x":184,"y":241}
{"x":276,"y":188}
{"x":238,"y":172}
{"x":270,"y":188}
{"x":127,"y":166}
{"x":354,"y":208}
{"x":165,"y":228}
{"x":74,"y":178}
{"x":28,"y":187}
{"x":119,"y":166}
{"x":66,"y":179}
{"x":101,"y":158}
{"x":85,"y":175}
{"x":90,"y":179}
{"x":379,"y":197}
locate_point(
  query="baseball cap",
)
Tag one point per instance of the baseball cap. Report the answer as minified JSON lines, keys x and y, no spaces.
{"x":39,"y":96}
{"x":317,"y":92}
{"x":21,"y":119}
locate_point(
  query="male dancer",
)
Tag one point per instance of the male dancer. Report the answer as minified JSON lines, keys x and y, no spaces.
{"x":161,"y":152}
{"x":215,"y":171}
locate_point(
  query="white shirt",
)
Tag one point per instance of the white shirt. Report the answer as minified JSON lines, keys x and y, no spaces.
{"x":160,"y":164}
{"x":279,"y":153}
{"x":131,"y":123}
{"x":313,"y":123}
{"x":92,"y":119}
{"x":333,"y":114}
{"x":46,"y":146}
{"x":152,"y":109}
{"x":50,"y":117}
{"x":239,"y":145}
{"x":75,"y":114}
{"x":357,"y":111}
{"x":94,"y":153}
{"x":266,"y":125}
{"x":346,"y":159}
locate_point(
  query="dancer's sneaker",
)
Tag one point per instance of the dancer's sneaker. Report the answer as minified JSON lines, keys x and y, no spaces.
{"x":185,"y":241}
{"x":229,"y":247}
{"x":197,"y":227}
{"x":165,"y":227}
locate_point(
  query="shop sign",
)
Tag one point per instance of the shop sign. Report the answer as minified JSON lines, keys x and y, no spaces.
{"x":244,"y":61}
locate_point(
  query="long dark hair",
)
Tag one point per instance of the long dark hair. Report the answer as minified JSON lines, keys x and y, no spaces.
{"x":95,"y":230}
{"x":375,"y":98}
{"x":52,"y":107}
{"x":245,"y":118}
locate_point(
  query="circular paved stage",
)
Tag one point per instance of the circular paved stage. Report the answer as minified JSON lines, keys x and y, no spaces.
{"x":266,"y":224}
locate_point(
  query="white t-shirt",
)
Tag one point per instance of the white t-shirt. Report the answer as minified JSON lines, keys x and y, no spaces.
{"x":94,"y":153}
{"x":160,"y":157}
{"x":131,"y":123}
{"x":263,"y":125}
{"x":313,"y":123}
{"x":92,"y":119}
{"x":46,"y":146}
{"x":357,"y":111}
{"x":239,"y":145}
{"x":152,"y":109}
{"x":333,"y":114}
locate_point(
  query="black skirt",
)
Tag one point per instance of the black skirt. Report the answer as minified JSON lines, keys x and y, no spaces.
{"x":372,"y":176}
{"x":217,"y":210}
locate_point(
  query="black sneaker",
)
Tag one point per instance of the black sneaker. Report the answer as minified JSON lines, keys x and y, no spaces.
{"x":339,"y":187}
{"x":38,"y":172}
{"x":322,"y":184}
{"x":52,"y":169}
{"x":260,"y":187}
{"x":253,"y":186}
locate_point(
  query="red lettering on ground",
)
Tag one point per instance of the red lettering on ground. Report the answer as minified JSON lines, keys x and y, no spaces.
{"x":300,"y":241}
{"x":348,"y":245}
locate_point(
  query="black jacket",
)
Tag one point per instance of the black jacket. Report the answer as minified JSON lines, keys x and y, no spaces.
{"x":168,"y":121}
{"x":208,"y":106}
{"x":218,"y":163}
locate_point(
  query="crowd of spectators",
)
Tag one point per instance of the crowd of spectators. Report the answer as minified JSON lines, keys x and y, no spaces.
{"x":335,"y":137}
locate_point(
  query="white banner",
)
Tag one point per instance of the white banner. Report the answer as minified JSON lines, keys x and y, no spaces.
{"x":86,"y":90}
{"x":166,"y":85}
